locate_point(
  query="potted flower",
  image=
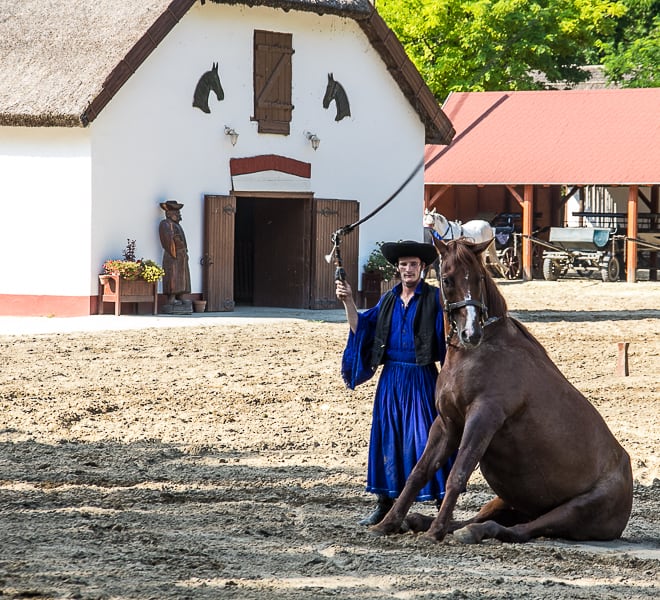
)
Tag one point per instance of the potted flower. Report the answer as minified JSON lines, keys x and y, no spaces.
{"x":129,"y":279}
{"x":132,"y":269}
{"x":378,"y":264}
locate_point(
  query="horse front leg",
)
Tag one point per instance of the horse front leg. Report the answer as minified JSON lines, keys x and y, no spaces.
{"x":439,"y":447}
{"x":478,"y":432}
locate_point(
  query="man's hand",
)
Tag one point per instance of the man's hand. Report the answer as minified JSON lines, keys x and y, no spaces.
{"x":345,"y":294}
{"x":343,"y":290}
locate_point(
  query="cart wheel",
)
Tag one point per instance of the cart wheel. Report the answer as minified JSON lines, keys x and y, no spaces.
{"x":551,"y":269}
{"x":511,"y":264}
{"x":610,"y":268}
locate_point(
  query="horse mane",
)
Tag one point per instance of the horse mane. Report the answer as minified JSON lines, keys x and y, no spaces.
{"x":341,"y":102}
{"x":495,"y":301}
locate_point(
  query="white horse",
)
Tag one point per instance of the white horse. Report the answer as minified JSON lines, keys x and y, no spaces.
{"x":476,"y":231}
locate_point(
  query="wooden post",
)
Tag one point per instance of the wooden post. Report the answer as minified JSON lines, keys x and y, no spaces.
{"x":622,"y":360}
{"x":631,"y":247}
{"x":655,"y":221}
{"x":527,"y":224}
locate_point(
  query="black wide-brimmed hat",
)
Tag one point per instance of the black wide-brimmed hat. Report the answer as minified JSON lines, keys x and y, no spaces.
{"x":171,"y":205}
{"x":392,"y":251}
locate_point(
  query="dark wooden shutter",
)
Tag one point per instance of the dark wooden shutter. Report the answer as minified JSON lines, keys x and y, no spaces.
{"x":272,"y":81}
{"x":327,"y":217}
{"x":218,"y":262}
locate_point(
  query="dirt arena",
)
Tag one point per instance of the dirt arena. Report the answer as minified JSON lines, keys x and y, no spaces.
{"x":228,"y":461}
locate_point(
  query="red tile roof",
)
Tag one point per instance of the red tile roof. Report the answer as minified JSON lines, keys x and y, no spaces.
{"x":604,"y":136}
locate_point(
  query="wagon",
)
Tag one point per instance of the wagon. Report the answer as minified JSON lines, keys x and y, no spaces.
{"x":583,"y":249}
{"x":508,"y":247}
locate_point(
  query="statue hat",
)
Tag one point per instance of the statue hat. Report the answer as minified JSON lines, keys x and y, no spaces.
{"x":171,"y":205}
{"x":392,"y":251}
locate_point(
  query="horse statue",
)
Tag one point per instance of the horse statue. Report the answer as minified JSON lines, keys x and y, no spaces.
{"x":335,"y":91}
{"x":208,"y":82}
{"x":555,"y":467}
{"x":476,"y":231}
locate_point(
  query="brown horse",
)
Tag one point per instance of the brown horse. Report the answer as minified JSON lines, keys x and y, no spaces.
{"x":542,"y":447}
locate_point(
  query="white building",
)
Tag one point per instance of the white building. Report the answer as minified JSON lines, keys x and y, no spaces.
{"x":98,"y":127}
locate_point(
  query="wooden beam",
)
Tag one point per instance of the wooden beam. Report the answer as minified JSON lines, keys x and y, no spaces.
{"x":654,"y":208}
{"x":527,"y":224}
{"x":631,"y":247}
{"x":516,"y":195}
{"x":435,"y":193}
{"x":644,"y":198}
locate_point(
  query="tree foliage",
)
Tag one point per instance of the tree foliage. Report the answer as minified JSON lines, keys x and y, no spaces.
{"x":631,"y":57}
{"x":480,"y":45}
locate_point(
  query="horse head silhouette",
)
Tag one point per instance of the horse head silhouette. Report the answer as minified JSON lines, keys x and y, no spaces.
{"x":335,"y":91}
{"x":208,"y":82}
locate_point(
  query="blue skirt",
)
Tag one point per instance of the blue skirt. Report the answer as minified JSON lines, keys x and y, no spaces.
{"x":404,"y":409}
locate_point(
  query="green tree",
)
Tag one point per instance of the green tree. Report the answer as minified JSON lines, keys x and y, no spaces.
{"x":631,"y":56}
{"x":479,"y":45}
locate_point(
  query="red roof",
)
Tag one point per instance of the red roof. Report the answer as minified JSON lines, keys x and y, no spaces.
{"x":604,"y":136}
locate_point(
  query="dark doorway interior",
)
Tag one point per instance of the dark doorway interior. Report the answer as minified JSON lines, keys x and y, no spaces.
{"x":271,"y":252}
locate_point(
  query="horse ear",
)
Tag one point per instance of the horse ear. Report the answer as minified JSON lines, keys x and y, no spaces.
{"x":215,"y":66}
{"x":331,"y":77}
{"x":480,"y":247}
{"x":440,"y":246}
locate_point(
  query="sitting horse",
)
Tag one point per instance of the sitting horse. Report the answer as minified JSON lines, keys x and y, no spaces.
{"x":545,"y":451}
{"x":475,"y":231}
{"x":335,"y":91}
{"x":208,"y":82}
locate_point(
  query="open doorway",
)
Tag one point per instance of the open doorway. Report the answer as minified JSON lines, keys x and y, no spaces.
{"x":272,"y":252}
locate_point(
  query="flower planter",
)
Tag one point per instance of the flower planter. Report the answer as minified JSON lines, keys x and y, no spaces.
{"x":112,"y":288}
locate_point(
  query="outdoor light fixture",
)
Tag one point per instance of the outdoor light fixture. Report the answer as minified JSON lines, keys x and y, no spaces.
{"x":314,"y":139}
{"x":233,"y":136}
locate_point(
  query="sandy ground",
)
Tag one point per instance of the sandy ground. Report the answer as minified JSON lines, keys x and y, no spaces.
{"x":227,"y":460}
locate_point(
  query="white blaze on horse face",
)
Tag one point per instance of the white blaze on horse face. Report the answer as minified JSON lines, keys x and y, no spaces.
{"x":470,"y":328}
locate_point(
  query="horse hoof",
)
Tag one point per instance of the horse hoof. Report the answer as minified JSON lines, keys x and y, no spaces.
{"x":465,"y":536}
{"x":380,"y":531}
{"x":377,"y":531}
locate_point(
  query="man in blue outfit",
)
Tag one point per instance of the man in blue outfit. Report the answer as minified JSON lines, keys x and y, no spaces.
{"x":405,"y":333}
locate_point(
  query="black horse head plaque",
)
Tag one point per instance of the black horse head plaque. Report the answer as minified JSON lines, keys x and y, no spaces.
{"x":208,"y":82}
{"x":335,"y":91}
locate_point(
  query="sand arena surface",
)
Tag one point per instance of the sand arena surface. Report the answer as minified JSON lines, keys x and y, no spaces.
{"x":227,"y":460}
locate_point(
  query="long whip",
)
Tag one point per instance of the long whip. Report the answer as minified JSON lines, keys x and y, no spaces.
{"x":335,"y":254}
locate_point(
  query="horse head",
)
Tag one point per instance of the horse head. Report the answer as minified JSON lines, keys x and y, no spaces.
{"x":335,"y":91}
{"x":469,"y":294}
{"x":208,"y":82}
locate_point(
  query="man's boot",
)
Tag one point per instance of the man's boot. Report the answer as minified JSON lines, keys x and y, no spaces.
{"x":384,"y":504}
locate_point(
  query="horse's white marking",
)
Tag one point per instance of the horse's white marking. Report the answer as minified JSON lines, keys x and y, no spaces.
{"x":472,"y":313}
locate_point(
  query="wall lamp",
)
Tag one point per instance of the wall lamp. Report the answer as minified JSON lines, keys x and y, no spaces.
{"x":314,"y":139}
{"x":233,"y":136}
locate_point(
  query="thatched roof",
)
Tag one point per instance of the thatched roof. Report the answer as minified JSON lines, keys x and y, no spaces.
{"x":62,"y":61}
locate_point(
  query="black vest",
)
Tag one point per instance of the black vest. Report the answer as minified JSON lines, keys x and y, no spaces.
{"x":426,"y":343}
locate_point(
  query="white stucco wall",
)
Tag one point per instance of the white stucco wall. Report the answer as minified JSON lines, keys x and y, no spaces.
{"x":149,"y":144}
{"x":45,"y":190}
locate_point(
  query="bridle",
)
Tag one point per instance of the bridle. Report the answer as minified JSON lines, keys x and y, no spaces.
{"x":443,"y":236}
{"x":450,"y":308}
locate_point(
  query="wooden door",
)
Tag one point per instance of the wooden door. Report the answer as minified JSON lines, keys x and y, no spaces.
{"x":327,"y":217}
{"x":218,"y":261}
